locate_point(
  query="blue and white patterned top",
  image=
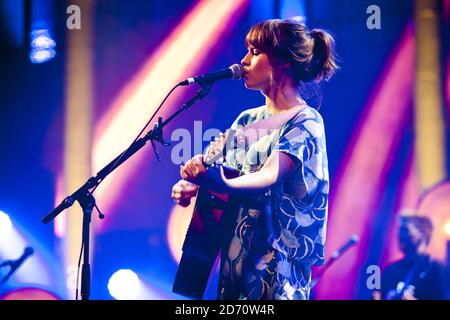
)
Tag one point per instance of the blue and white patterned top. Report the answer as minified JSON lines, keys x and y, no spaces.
{"x":296,"y":208}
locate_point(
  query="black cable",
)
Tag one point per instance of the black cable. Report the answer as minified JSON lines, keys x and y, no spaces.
{"x":78,"y":270}
{"x":140,"y":133}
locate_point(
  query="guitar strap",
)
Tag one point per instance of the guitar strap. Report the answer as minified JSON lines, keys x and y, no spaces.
{"x":259,"y":129}
{"x":278,"y":120}
{"x":243,"y":137}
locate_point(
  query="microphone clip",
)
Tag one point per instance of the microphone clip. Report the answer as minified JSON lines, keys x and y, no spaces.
{"x":157,"y":135}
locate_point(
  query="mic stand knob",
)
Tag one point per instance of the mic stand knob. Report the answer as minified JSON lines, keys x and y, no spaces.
{"x":157,"y":135}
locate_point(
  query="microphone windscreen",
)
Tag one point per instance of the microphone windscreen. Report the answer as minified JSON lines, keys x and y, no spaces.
{"x":28,"y":251}
{"x":354,"y":238}
{"x":238,"y":71}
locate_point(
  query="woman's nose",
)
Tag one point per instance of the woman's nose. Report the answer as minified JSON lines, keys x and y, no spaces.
{"x":244,"y":60}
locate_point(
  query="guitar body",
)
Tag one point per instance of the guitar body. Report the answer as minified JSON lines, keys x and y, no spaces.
{"x":211,"y":224}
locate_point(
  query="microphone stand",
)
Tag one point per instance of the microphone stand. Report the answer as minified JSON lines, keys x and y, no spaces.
{"x":335,"y":255}
{"x":85,"y":197}
{"x":325,"y":267}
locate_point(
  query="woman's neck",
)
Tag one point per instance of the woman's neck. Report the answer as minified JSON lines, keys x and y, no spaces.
{"x":282,"y":98}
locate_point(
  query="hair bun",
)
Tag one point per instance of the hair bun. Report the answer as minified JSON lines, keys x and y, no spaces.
{"x":323,"y":60}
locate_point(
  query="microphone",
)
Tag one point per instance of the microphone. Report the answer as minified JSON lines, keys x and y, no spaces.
{"x":352,"y":241}
{"x":235,"y":71}
{"x":15,"y":264}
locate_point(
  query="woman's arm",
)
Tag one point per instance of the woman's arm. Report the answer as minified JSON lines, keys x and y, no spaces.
{"x":277,"y":166}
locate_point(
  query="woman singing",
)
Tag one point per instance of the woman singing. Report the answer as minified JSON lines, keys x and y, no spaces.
{"x":280,"y":231}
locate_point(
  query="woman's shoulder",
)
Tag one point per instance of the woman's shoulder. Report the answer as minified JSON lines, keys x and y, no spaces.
{"x":309,"y":120}
{"x":308,"y":113}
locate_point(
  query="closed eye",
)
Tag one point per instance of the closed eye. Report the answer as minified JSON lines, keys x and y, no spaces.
{"x":253,"y":51}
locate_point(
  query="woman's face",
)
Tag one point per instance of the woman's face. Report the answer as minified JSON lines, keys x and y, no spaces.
{"x":257,"y":69}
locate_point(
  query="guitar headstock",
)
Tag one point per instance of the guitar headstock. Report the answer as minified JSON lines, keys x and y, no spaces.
{"x":216,"y":151}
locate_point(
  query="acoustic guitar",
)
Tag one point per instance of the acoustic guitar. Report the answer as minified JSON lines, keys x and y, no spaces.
{"x":211,"y":222}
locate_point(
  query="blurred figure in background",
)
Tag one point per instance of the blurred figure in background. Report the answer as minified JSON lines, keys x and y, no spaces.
{"x":417,"y":276}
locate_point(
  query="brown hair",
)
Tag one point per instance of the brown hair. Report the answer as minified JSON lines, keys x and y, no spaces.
{"x":310,"y":54}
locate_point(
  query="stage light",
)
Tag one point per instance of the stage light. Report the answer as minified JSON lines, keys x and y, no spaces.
{"x":13,"y":240}
{"x":447,"y":229}
{"x":41,"y":39}
{"x":42,"y":46}
{"x":124,"y":284}
{"x":295,"y":10}
{"x":42,"y":55}
{"x":5,"y":226}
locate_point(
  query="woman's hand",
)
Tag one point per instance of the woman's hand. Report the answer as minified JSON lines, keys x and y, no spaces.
{"x":183,"y":191}
{"x":194,"y":170}
{"x":212,"y":178}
